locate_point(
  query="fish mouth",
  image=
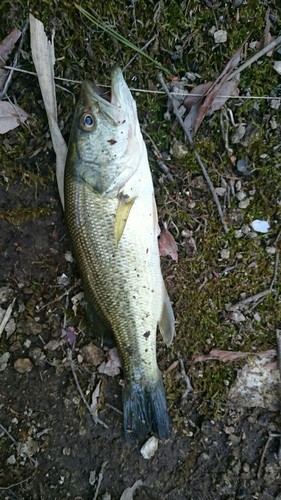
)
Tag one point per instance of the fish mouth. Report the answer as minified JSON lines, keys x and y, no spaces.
{"x":114,"y":104}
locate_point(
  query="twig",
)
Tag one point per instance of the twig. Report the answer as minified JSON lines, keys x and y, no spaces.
{"x":2,"y":488}
{"x":136,"y":55}
{"x":270,"y":437}
{"x":196,"y":154}
{"x":94,"y":417}
{"x":15,"y":61}
{"x":113,"y":408}
{"x":185,"y":378}
{"x":260,"y":295}
{"x":255,"y":57}
{"x":8,"y":434}
{"x":7,"y":316}
{"x":58,"y":299}
{"x":16,"y":442}
{"x":100,"y":478}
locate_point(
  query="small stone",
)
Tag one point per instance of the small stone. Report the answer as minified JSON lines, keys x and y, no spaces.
{"x":238,"y":234}
{"x":236,"y":316}
{"x":273,"y":123}
{"x":191,"y":204}
{"x":10,"y":328}
{"x":92,"y":354}
{"x":252,"y":234}
{"x":27,"y":343}
{"x":244,"y":203}
{"x":23,"y":365}
{"x":277,"y":66}
{"x":11,"y":460}
{"x":245,"y":229}
{"x":179,"y":150}
{"x":225,"y":253}
{"x":52,"y":345}
{"x":149,"y":448}
{"x":238,"y":185}
{"x":239,"y":256}
{"x":271,"y":250}
{"x":38,"y":357}
{"x":6,"y":294}
{"x":4,"y":361}
{"x":220,"y":191}
{"x":275,"y":103}
{"x":68,"y":257}
{"x":220,"y":36}
{"x":257,"y":317}
{"x":240,"y":195}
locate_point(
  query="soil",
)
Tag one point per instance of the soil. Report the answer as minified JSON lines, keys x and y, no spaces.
{"x":50,"y":447}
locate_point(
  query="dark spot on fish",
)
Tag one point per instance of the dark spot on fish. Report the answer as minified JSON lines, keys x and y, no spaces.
{"x":122,"y":196}
{"x":111,"y":142}
{"x":146,"y":334}
{"x":147,"y":250}
{"x":129,"y":351}
{"x":146,"y":350}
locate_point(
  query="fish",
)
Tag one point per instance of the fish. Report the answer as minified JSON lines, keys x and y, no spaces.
{"x":112,"y":222}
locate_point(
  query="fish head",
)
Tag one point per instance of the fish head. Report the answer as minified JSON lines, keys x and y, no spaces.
{"x":106,"y":131}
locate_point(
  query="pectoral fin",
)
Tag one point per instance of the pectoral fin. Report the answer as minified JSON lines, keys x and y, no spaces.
{"x":167,"y":320}
{"x":121,"y":216}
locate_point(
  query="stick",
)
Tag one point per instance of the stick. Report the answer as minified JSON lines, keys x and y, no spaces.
{"x":255,"y":57}
{"x":259,"y":295}
{"x":15,"y":484}
{"x":196,"y":154}
{"x":7,"y":316}
{"x":15,"y":61}
{"x":94,"y":417}
{"x":185,"y":378}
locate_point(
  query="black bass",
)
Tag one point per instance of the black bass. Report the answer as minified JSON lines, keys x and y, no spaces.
{"x":113,"y":226}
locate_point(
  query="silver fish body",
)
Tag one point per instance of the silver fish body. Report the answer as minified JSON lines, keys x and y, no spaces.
{"x":112,"y":221}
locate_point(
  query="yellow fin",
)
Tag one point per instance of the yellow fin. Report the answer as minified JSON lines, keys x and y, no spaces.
{"x":167,"y":320}
{"x":122,"y":213}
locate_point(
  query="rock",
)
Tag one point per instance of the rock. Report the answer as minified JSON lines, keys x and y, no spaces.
{"x":149,"y":448}
{"x":271,"y":250}
{"x":238,"y":234}
{"x":236,"y":316}
{"x":92,"y":354}
{"x":4,"y":361}
{"x":261,"y":226}
{"x":220,"y":36}
{"x":52,"y":345}
{"x":240,"y":195}
{"x":225,"y":253}
{"x":6,"y":294}
{"x":38,"y":357}
{"x":244,"y":203}
{"x":23,"y":365}
{"x":11,"y":460}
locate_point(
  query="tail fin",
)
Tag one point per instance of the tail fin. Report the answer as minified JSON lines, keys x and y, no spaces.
{"x":145,"y":410}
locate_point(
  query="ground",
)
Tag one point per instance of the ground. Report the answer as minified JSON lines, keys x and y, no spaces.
{"x":223,"y":445}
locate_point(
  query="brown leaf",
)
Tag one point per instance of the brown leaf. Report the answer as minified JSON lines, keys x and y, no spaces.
{"x":6,"y":47}
{"x":168,"y":245}
{"x":227,"y":90}
{"x":226,"y":356}
{"x":11,"y":116}
{"x":196,"y":95}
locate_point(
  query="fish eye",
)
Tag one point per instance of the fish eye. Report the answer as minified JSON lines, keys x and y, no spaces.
{"x":88,"y":122}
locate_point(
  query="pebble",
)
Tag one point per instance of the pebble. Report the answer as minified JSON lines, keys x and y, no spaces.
{"x":239,"y":256}
{"x":271,"y":250}
{"x":52,"y":345}
{"x":23,"y":365}
{"x":252,"y":234}
{"x":245,"y":229}
{"x":241,"y":195}
{"x":149,"y":448}
{"x":238,"y":185}
{"x":6,"y":294}
{"x":11,"y":460}
{"x":220,"y":191}
{"x":220,"y":36}
{"x":4,"y":361}
{"x":238,"y":234}
{"x":92,"y":354}
{"x":38,"y":357}
{"x":244,"y":203}
{"x":236,"y":316}
{"x":261,"y":226}
{"x":257,"y":317}
{"x":225,"y":253}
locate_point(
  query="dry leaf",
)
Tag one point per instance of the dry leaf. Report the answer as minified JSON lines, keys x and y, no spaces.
{"x":128,"y":493}
{"x":226,"y":356}
{"x":11,"y":116}
{"x":113,"y":365}
{"x":44,"y":58}
{"x":95,"y":397}
{"x":6,"y":47}
{"x":214,"y":93}
{"x":167,"y":245}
